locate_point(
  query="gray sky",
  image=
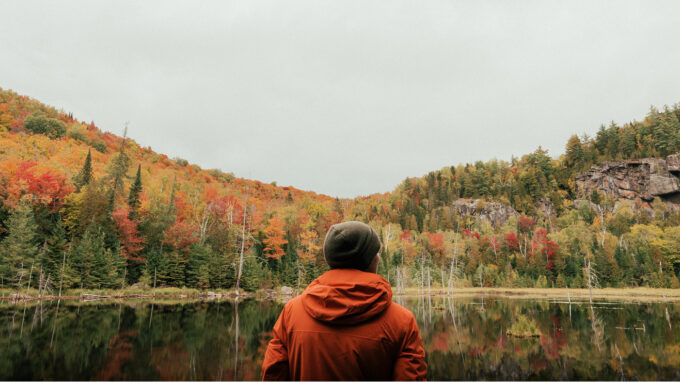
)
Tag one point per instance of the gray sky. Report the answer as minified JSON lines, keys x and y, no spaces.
{"x":344,"y":98}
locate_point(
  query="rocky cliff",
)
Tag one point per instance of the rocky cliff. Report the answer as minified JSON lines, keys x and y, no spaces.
{"x":638,"y":180}
{"x":494,"y":213}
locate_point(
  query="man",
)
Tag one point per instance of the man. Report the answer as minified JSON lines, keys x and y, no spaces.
{"x":344,"y":326}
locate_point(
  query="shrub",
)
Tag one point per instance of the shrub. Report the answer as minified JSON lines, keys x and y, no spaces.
{"x":38,"y":123}
{"x":99,"y":146}
{"x":77,"y":131}
{"x":181,"y":162}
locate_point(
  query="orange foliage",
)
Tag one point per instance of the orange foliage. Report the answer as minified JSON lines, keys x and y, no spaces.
{"x":181,"y":235}
{"x":436,"y":242}
{"x":308,"y":240}
{"x":274,"y":240}
{"x":222,"y":192}
{"x":42,"y":185}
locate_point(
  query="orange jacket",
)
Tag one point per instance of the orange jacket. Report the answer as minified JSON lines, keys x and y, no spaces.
{"x":344,"y":326}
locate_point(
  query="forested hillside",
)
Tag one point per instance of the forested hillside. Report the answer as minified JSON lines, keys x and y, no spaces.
{"x":84,"y":208}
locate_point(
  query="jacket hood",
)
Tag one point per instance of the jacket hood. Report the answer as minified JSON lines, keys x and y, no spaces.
{"x":346,"y":296}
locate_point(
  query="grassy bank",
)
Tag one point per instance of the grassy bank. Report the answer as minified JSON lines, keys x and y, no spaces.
{"x":129,"y":293}
{"x":623,"y":294}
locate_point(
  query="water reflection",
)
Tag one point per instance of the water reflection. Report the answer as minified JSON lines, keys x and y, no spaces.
{"x":465,"y":338}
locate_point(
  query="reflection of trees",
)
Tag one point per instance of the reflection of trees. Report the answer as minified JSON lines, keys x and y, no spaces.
{"x":463,"y":342}
{"x":198,"y":340}
{"x":182,"y":341}
{"x":597,"y":328}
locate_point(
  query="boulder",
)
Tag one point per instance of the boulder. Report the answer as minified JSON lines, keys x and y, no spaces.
{"x":662,"y":185}
{"x":673,"y":163}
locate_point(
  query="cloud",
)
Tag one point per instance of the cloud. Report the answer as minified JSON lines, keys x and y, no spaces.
{"x":344,"y":98}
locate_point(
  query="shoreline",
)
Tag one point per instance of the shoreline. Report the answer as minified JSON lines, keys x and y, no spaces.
{"x":622,"y":294}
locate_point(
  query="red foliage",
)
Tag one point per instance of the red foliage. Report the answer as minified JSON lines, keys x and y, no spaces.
{"x":182,"y":204}
{"x":526,"y":224}
{"x":468,"y":233}
{"x":181,"y":235}
{"x":42,"y":185}
{"x":128,"y":235}
{"x":406,"y":235}
{"x":511,"y":241}
{"x":436,"y":242}
{"x":540,"y":245}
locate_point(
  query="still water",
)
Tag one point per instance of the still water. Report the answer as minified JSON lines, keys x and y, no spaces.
{"x":464,"y":338}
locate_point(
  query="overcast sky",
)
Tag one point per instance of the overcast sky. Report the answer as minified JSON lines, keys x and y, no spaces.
{"x":344,"y":98}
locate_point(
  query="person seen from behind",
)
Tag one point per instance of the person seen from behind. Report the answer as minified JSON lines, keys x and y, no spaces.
{"x":344,"y":326}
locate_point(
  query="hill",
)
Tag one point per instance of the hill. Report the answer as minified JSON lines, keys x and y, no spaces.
{"x":112,"y":213}
{"x":182,"y":211}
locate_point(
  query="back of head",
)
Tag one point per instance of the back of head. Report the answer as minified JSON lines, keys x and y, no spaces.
{"x":351,"y":244}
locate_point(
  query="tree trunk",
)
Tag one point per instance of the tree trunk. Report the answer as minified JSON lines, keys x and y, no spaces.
{"x":243,"y":243}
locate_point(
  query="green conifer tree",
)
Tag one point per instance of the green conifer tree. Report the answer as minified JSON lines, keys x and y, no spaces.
{"x":85,"y":175}
{"x":87,"y":263}
{"x":117,"y":171}
{"x":197,"y":272}
{"x":19,"y":249}
{"x":173,"y":268}
{"x":55,"y":245}
{"x":133,"y":197}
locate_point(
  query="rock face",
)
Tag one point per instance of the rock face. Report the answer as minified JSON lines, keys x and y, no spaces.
{"x":638,"y":180}
{"x":495,"y":213}
{"x":545,"y":207}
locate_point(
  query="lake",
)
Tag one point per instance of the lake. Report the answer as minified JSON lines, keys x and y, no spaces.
{"x":465,"y":338}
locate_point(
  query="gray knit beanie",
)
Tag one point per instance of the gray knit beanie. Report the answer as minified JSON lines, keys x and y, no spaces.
{"x":350,"y":245}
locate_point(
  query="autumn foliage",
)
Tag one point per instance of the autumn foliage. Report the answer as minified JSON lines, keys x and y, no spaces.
{"x":131,"y":242}
{"x":274,"y":240}
{"x":40,"y":184}
{"x":131,"y":213}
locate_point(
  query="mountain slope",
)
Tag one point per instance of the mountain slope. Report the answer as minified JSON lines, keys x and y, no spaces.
{"x":110,"y":213}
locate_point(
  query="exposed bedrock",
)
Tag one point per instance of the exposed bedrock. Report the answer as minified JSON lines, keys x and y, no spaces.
{"x":495,"y":213}
{"x":638,"y":180}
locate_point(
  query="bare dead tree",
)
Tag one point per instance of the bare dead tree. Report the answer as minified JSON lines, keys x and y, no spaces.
{"x":243,"y":243}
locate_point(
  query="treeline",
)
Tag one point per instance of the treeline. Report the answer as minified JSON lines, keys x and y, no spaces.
{"x":123,"y":214}
{"x":420,"y":203}
{"x":120,"y":214}
{"x":614,"y":244}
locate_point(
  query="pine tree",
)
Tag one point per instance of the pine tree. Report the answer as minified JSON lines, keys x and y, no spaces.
{"x":575,"y":155}
{"x":18,"y":250}
{"x":222,"y":269}
{"x":133,"y":197}
{"x":82,"y":259}
{"x":117,"y":170}
{"x":55,"y":245}
{"x":197,"y":271}
{"x":173,"y":268}
{"x":253,"y":274}
{"x":85,"y":175}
